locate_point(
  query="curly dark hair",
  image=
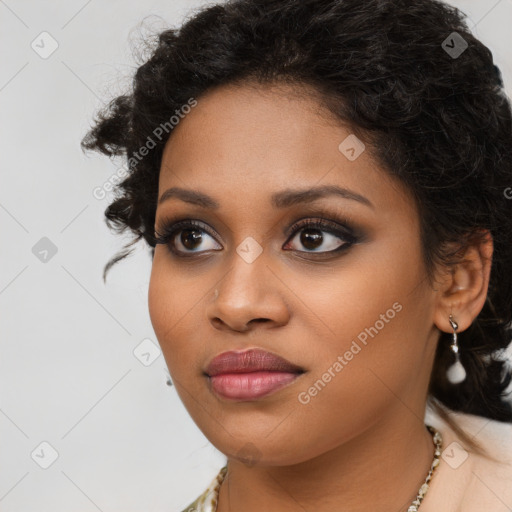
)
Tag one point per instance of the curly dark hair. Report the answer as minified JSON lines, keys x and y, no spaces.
{"x":437,"y":120}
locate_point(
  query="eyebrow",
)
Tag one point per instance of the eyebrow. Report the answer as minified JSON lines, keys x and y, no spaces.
{"x":283,"y":199}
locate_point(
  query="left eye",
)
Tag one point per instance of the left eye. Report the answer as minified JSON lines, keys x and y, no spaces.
{"x":321,"y":238}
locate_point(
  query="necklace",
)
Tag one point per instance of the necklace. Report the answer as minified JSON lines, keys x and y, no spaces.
{"x":438,"y":444}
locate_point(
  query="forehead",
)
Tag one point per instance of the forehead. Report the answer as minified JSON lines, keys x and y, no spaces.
{"x":255,"y":140}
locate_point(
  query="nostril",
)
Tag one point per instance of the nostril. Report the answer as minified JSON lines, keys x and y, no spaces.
{"x":217,"y":321}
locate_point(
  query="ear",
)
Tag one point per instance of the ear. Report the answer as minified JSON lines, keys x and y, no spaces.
{"x":463,"y":287}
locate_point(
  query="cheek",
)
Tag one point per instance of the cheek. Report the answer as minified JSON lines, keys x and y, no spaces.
{"x":167,"y":305}
{"x":174,"y":305}
{"x":168,"y":299}
{"x":369,"y":303}
{"x":370,"y":344}
{"x":160,"y":302}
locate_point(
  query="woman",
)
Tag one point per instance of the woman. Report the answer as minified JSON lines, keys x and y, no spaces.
{"x":325,"y":186}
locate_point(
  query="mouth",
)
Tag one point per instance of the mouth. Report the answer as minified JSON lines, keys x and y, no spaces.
{"x":250,"y":375}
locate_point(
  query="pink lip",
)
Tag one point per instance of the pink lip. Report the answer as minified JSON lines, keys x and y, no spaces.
{"x":251,"y":374}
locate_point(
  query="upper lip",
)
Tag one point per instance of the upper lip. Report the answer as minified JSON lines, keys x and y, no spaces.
{"x":251,"y":360}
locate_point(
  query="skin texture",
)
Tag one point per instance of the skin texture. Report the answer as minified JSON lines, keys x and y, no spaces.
{"x":360,"y":441}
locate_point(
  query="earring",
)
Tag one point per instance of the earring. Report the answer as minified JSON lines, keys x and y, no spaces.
{"x":168,"y":381}
{"x":456,"y":373}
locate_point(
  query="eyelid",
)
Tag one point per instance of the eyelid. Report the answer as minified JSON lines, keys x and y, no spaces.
{"x":168,"y":224}
{"x":324,"y":224}
{"x":337,"y":217}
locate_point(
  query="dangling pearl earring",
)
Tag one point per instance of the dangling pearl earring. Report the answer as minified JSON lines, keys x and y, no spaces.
{"x":456,"y":373}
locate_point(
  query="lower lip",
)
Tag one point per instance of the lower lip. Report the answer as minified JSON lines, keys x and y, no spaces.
{"x":249,"y":386}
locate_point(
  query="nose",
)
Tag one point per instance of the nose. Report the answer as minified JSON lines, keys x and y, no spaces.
{"x":249,"y":295}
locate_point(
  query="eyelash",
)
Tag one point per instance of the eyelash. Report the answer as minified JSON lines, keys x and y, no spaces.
{"x":171,"y":228}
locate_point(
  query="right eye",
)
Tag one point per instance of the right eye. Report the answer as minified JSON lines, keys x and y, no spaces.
{"x":184,"y":238}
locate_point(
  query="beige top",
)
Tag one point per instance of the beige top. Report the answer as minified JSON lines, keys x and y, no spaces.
{"x":463,"y":481}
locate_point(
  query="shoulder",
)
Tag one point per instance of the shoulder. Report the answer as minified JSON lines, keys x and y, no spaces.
{"x":207,"y":501}
{"x":491,"y":474}
{"x":469,"y":480}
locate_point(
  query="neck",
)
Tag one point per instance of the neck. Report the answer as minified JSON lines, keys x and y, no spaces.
{"x":380,"y":469}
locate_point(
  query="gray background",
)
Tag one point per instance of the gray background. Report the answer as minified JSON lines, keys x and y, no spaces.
{"x":71,"y":370}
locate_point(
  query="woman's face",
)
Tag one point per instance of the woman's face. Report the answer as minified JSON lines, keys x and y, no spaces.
{"x":347,"y":304}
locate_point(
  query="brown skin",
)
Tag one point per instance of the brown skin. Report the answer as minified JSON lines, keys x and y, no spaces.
{"x":360,"y":444}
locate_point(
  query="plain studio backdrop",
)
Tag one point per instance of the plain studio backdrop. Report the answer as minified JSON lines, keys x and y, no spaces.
{"x":87,"y":422}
